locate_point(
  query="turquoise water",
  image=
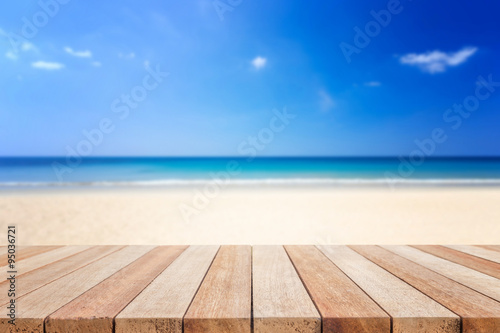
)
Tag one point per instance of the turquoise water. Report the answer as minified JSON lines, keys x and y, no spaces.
{"x":184,"y":171}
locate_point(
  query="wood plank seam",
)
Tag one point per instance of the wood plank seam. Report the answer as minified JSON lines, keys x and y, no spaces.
{"x":461,"y":320}
{"x":114,"y":318}
{"x":374,"y":301}
{"x":199,"y":286}
{"x":432,"y":269}
{"x":45,"y":320}
{"x":63,"y":275}
{"x":305,"y":286}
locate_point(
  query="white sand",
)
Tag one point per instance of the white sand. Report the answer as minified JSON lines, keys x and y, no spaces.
{"x":294,"y":215}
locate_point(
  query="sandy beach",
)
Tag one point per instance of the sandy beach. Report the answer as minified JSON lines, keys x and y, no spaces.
{"x":239,"y":215}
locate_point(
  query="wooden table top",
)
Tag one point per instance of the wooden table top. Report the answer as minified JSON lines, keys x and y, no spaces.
{"x":361,"y":288}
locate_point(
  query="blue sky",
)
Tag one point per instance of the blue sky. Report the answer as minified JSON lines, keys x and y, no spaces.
{"x":66,"y":65}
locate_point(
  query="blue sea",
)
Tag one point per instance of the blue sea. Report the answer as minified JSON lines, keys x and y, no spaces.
{"x":105,"y":172}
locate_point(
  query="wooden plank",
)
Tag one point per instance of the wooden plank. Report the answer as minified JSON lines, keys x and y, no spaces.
{"x":479,"y":313}
{"x":34,"y":307}
{"x":280,"y":301}
{"x":40,"y":260}
{"x":479,"y":264}
{"x":490,"y":247}
{"x":478,"y":281}
{"x":162,"y":305}
{"x":411,"y":310}
{"x":94,"y":311}
{"x":35,"y":279}
{"x":23,"y":252}
{"x":478,"y":252}
{"x":343,"y":306}
{"x":223,"y":302}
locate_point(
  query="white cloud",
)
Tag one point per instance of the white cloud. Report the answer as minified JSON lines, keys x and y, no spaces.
{"x":130,"y":55}
{"x":50,"y":66}
{"x":373,"y":84}
{"x":259,"y":62}
{"x":326,"y":102}
{"x":437,"y":61}
{"x":11,"y":55}
{"x":96,"y":64}
{"x":80,"y":54}
{"x":27,"y":46}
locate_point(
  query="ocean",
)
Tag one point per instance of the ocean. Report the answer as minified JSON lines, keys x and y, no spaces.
{"x":128,"y":171}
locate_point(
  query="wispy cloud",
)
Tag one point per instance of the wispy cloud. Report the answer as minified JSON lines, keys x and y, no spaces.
{"x":11,"y":55}
{"x":130,"y":55}
{"x":373,"y":84}
{"x":80,"y":54}
{"x":326,"y":102}
{"x":437,"y":61}
{"x":259,"y":62}
{"x":96,"y":64}
{"x":50,"y":66}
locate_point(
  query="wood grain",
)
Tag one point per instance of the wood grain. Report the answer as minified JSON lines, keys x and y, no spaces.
{"x":280,"y":301}
{"x":479,"y":264}
{"x":34,"y":307}
{"x":23,"y":252}
{"x":35,"y":279}
{"x":343,"y":306}
{"x":478,"y":252}
{"x":411,"y":310}
{"x":162,"y":305}
{"x":94,"y":311}
{"x":40,"y":260}
{"x":490,"y":247}
{"x":478,"y":281}
{"x":223,"y":302}
{"x":479,"y":313}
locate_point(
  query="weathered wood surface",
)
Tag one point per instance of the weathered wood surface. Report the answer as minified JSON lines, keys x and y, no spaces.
{"x":224,"y":301}
{"x":410,"y":309}
{"x":162,"y":305}
{"x":152,"y":289}
{"x":479,"y":313}
{"x":343,"y":306}
{"x":280,"y":301}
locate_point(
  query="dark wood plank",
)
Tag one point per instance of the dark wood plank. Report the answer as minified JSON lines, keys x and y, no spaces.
{"x":94,"y":311}
{"x":223,"y":302}
{"x":479,"y":313}
{"x":479,"y":264}
{"x":343,"y":306}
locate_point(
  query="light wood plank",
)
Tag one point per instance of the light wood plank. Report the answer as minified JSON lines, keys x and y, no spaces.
{"x":473,"y":279}
{"x":34,"y":307}
{"x":23,"y":252}
{"x":343,"y":306}
{"x":40,"y":260}
{"x":162,"y":305}
{"x":479,"y":264}
{"x":479,"y":313}
{"x":478,"y":252}
{"x":411,"y":310}
{"x":35,"y":279}
{"x":490,"y":247}
{"x":94,"y":311}
{"x":223,"y":302}
{"x":280,"y":302}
